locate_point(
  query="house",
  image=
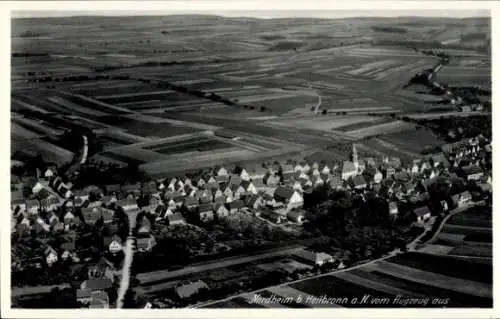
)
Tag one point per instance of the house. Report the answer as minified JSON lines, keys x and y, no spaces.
{"x":237,"y":190}
{"x":205,"y":212}
{"x":32,"y":207}
{"x":189,"y":289}
{"x":49,"y":203}
{"x":69,"y":218}
{"x":324,"y":169}
{"x":257,"y":172}
{"x":145,"y":243}
{"x":287,"y":168}
{"x":377,"y":177}
{"x":348,"y":170}
{"x":221,"y":171}
{"x":99,"y":300}
{"x":336,"y":182}
{"x":92,"y":215}
{"x":127,"y":204}
{"x":358,"y":182}
{"x":176,"y":219}
{"x":254,"y":201}
{"x":273,"y":216}
{"x":461,"y":199}
{"x":393,"y":209}
{"x":112,"y":189}
{"x":258,"y":183}
{"x":422,"y":214}
{"x":68,"y":250}
{"x":83,"y":296}
{"x":41,"y":228}
{"x":50,"y":255}
{"x":316,"y":181}
{"x":242,"y":173}
{"x":57,"y":226}
{"x":271,"y":180}
{"x":472,"y":172}
{"x":221,"y":210}
{"x":290,"y":197}
{"x":199,"y":182}
{"x":101,"y":284}
{"x":131,"y":188}
{"x":485,"y":187}
{"x":235,"y":206}
{"x":314,"y":258}
{"x":114,"y":243}
{"x":101,"y":270}
{"x":248,"y":187}
{"x":190,"y":202}
{"x":296,"y":216}
{"x":388,"y":170}
{"x":143,"y":303}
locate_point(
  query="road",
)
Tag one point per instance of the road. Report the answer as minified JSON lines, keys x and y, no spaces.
{"x":166,"y":275}
{"x":127,"y":262}
{"x":443,"y":222}
{"x":85,"y":149}
{"x":125,"y":278}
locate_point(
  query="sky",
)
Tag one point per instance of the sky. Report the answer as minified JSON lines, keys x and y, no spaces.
{"x":464,"y":13}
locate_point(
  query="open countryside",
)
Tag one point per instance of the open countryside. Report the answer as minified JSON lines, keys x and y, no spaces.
{"x":203,"y":161}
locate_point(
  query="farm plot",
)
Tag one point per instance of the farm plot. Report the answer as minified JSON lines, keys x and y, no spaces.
{"x":414,"y":140}
{"x":372,"y":68}
{"x":199,"y":144}
{"x":333,"y":287}
{"x":129,"y":98}
{"x":446,"y":265}
{"x":420,"y":289}
{"x":382,"y":129}
{"x":153,"y":130}
{"x":473,"y":250}
{"x":283,"y":104}
{"x":472,"y":218}
{"x":72,"y":107}
{"x":477,"y":289}
{"x":362,"y":124}
{"x":326,"y":123}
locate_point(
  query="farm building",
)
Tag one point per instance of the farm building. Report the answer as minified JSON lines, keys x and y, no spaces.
{"x":288,"y":196}
{"x":296,"y":216}
{"x":145,"y":243}
{"x":176,"y":219}
{"x":461,"y":199}
{"x":127,"y":204}
{"x":472,"y":172}
{"x":190,"y":289}
{"x":114,"y":243}
{"x":205,"y":212}
{"x":221,"y":210}
{"x":315,"y":258}
{"x":422,"y":214}
{"x":358,"y":182}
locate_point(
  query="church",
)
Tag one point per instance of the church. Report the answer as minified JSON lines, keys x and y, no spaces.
{"x":352,"y":167}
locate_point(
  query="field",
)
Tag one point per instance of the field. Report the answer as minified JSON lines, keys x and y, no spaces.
{"x":463,"y":282}
{"x":468,"y":234}
{"x":135,"y":80}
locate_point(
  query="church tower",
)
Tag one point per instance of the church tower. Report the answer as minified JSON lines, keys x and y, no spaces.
{"x":354,"y":156}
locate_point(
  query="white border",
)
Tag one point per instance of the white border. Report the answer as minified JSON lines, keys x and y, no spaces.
{"x":216,"y":7}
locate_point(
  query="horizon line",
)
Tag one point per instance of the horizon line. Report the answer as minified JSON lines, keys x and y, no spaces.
{"x":262,"y":15}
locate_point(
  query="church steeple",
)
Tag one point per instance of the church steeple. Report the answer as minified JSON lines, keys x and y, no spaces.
{"x":354,"y":156}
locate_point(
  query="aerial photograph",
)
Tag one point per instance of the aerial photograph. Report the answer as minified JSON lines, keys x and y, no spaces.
{"x":281,"y":160}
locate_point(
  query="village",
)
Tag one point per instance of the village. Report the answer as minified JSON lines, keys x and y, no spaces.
{"x":66,"y":227}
